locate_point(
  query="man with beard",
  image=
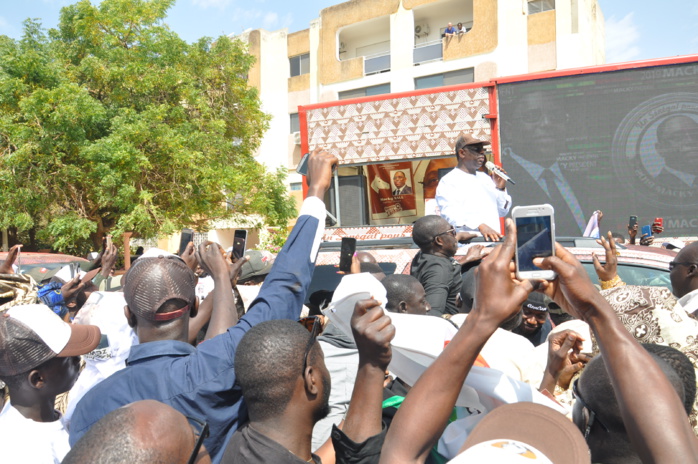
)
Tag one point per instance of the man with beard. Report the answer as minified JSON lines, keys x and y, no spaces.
{"x":535,"y":324}
{"x":471,"y":200}
{"x":286,"y":387}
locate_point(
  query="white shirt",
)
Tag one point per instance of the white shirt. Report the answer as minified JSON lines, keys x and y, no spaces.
{"x":468,"y":200}
{"x":26,"y":441}
{"x":689,"y":302}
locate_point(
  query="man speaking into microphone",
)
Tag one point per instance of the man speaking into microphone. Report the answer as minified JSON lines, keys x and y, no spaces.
{"x":470,"y":200}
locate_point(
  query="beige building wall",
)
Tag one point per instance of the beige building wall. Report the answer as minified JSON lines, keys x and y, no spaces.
{"x":504,"y":40}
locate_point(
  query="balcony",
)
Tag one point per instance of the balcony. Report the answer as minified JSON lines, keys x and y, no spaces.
{"x":377,"y":63}
{"x":425,"y":52}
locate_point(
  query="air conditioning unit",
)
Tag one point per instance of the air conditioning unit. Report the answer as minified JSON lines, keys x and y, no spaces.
{"x":297,"y":138}
{"x":421,"y":30}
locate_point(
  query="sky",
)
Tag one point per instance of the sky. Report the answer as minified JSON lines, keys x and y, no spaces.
{"x":635,"y":30}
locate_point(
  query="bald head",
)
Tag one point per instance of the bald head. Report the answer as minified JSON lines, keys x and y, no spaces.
{"x":269,"y":363}
{"x":684,"y":275}
{"x":143,"y":432}
{"x":425,"y":228}
{"x":405,"y":294}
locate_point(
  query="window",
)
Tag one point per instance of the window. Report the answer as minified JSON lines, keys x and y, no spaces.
{"x":295,"y":186}
{"x":300,"y":64}
{"x":538,"y":6}
{"x":365,"y":91}
{"x":462,"y":76}
{"x":295,"y":122}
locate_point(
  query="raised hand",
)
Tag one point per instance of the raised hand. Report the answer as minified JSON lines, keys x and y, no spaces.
{"x":373,"y":331}
{"x":564,"y":359}
{"x":571,"y":289}
{"x":210,"y":256}
{"x":320,"y":164}
{"x":189,"y":256}
{"x":6,"y":266}
{"x":497,"y":295}
{"x":608,"y":270}
{"x":70,"y":289}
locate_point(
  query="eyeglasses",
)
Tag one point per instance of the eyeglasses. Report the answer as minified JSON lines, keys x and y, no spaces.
{"x":201,"y":431}
{"x":451,"y":231}
{"x":312,"y":323}
{"x":592,"y":414}
{"x":476,"y":149}
{"x":673,"y":264}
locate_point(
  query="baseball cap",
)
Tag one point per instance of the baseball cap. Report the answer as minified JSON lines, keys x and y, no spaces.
{"x":153,"y":281}
{"x":32,"y":334}
{"x":258,"y":263}
{"x":470,"y":140}
{"x":525,"y":432}
{"x":536,"y":302}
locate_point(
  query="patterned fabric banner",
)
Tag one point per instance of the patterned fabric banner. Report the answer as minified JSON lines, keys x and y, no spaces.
{"x":416,"y":126}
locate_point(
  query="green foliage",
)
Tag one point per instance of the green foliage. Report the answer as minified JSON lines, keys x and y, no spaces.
{"x":112,"y":123}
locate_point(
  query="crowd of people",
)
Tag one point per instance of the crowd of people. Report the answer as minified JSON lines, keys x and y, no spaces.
{"x":176,"y":362}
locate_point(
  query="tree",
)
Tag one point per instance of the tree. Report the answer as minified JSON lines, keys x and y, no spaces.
{"x":112,"y":123}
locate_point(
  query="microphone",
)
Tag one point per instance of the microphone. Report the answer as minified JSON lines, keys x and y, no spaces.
{"x":494,"y":168}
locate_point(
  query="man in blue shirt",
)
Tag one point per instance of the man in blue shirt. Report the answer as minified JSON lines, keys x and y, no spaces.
{"x":200,"y":382}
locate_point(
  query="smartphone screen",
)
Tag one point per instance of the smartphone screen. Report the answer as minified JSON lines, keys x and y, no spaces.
{"x":186,"y":237}
{"x":239,"y":243}
{"x":534,"y":239}
{"x":347,"y":254}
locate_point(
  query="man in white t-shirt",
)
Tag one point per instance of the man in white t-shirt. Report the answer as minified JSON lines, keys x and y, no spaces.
{"x":39,"y":359}
{"x":471,"y":200}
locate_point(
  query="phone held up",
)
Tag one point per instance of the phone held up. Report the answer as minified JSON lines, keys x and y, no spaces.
{"x":347,"y":254}
{"x":239,"y":243}
{"x":535,"y":238}
{"x":186,"y":237}
{"x":632,"y":221}
{"x":302,"y":167}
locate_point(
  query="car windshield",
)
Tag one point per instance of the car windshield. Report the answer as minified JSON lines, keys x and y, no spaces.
{"x":325,"y":277}
{"x":635,"y":275}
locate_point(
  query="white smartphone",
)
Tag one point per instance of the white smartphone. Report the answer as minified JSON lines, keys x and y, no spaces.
{"x":535,"y":238}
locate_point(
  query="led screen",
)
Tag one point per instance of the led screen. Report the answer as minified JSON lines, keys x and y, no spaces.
{"x":624,"y":142}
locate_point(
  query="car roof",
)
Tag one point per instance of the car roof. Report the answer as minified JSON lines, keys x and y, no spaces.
{"x":43,"y":258}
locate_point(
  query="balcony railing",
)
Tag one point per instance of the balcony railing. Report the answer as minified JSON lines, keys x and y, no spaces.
{"x":430,"y":51}
{"x":376,"y":63}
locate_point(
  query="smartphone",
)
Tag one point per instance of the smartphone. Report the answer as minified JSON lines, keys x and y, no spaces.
{"x":646,"y":230}
{"x":74,"y":269}
{"x":535,"y":238}
{"x":302,"y":167}
{"x":659,"y":221}
{"x":632,"y":221}
{"x":347,"y":254}
{"x":186,"y":237}
{"x":239,"y":243}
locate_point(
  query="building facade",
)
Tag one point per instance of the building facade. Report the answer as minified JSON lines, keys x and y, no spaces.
{"x":369,"y":47}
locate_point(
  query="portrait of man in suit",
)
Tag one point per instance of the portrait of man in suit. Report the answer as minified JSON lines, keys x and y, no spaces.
{"x":677,"y":144}
{"x":534,"y":136}
{"x":400,"y":185}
